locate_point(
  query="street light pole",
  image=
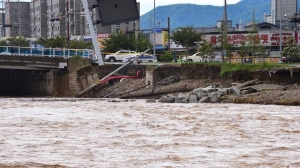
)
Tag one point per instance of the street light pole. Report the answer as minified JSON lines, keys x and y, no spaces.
{"x":280,"y":45}
{"x":19,"y":18}
{"x":68,"y":24}
{"x":154,"y":49}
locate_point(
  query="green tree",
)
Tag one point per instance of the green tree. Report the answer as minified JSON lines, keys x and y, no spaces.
{"x":167,"y":57}
{"x":243,"y":51}
{"x":142,"y":43}
{"x":254,"y":46}
{"x":206,"y":48}
{"x":42,"y":41}
{"x":3,"y":43}
{"x":79,"y":44}
{"x":229,"y":49}
{"x":119,"y":41}
{"x":223,"y":40}
{"x":16,"y":41}
{"x":53,"y":42}
{"x":291,"y":51}
{"x":186,"y":36}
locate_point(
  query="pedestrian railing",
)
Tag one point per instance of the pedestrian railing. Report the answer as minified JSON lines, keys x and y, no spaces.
{"x":46,"y":52}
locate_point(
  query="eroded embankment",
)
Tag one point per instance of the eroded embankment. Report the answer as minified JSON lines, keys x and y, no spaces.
{"x":206,"y":74}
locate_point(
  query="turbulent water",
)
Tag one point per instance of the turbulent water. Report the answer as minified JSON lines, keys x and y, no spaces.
{"x":98,"y":133}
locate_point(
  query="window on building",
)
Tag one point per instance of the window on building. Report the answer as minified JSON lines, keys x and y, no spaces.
{"x":117,"y":28}
{"x":16,"y":11}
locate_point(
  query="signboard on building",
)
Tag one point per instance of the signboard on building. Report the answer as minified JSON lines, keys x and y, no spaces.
{"x":265,"y":38}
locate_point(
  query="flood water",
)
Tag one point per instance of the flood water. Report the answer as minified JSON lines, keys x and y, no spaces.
{"x":98,"y":133}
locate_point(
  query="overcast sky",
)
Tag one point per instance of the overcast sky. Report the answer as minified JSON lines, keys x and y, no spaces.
{"x":147,"y":5}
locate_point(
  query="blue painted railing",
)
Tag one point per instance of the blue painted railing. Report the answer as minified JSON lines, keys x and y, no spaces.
{"x":49,"y":52}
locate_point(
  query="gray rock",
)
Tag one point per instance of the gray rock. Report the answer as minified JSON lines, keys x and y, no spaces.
{"x":235,"y":90}
{"x":200,"y":95}
{"x":204,"y":100}
{"x":193,"y":99}
{"x":183,"y":98}
{"x":213,"y":97}
{"x":171,"y":96}
{"x":209,"y":89}
{"x":244,"y":92}
{"x":197,"y":91}
{"x":222,"y":92}
{"x":167,"y":99}
{"x":227,"y":90}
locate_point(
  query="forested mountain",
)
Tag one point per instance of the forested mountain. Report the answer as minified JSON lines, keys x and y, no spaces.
{"x":207,"y":15}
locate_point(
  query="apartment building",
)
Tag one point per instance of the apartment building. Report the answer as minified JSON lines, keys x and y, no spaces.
{"x":17,"y":19}
{"x":49,"y":18}
{"x":2,"y":20}
{"x":281,"y":7}
{"x":38,"y":18}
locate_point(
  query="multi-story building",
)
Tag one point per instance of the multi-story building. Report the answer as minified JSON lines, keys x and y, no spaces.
{"x":17,"y":15}
{"x":49,"y":18}
{"x":281,"y":7}
{"x":2,"y":20}
{"x":38,"y":18}
{"x":77,"y":19}
{"x":57,"y":18}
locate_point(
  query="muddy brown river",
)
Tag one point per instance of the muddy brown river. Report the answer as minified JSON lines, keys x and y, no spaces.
{"x":98,"y":133}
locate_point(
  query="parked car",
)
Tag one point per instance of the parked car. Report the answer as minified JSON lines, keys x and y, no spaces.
{"x":5,"y":53}
{"x":118,"y":56}
{"x":142,"y":58}
{"x":197,"y":57}
{"x":288,"y":59}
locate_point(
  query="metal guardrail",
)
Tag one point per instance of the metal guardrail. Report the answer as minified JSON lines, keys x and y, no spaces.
{"x":48,"y":52}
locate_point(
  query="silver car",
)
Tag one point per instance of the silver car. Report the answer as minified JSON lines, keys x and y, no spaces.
{"x":142,"y":58}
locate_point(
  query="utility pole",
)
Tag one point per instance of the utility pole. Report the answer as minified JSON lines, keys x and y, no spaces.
{"x":154,"y":49}
{"x":280,"y":40}
{"x":169,"y":34}
{"x":224,"y":31}
{"x":51,"y":24}
{"x":68,"y":26}
{"x":19,"y":16}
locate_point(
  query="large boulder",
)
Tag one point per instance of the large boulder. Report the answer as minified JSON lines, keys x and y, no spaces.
{"x":200,"y":95}
{"x":182,"y":98}
{"x":235,"y":90}
{"x":209,"y":89}
{"x":244,"y":92}
{"x":213,"y":97}
{"x":197,"y":91}
{"x":167,"y":99}
{"x":204,"y":100}
{"x":193,"y":99}
{"x":222,"y":92}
